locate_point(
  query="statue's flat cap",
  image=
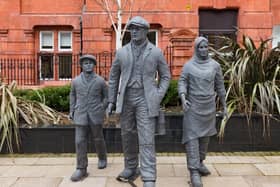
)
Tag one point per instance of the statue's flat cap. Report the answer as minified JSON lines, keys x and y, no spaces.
{"x":90,"y":57}
{"x":138,"y":21}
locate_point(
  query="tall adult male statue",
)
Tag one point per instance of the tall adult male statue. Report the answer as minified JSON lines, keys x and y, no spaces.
{"x":88,"y":102}
{"x":139,"y":78}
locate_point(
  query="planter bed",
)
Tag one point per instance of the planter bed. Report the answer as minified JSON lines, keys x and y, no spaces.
{"x":61,"y":139}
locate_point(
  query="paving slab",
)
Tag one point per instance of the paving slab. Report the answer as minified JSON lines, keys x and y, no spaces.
{"x":246,"y":159}
{"x":60,"y":171}
{"x":3,"y":169}
{"x":26,"y":171}
{"x":55,"y":161}
{"x":237,"y":169}
{"x":172,"y":182}
{"x":226,"y":171}
{"x":164,"y":160}
{"x":6,"y":161}
{"x":87,"y":182}
{"x":112,"y":170}
{"x":118,"y":160}
{"x":269,"y":169}
{"x":216,"y":159}
{"x":37,"y":182}
{"x":94,"y":160}
{"x":263,"y":181}
{"x":25,"y":161}
{"x":165,"y":170}
{"x":179,"y":159}
{"x":274,"y":159}
{"x":7,"y":181}
{"x":226,"y":181}
{"x":180,"y":170}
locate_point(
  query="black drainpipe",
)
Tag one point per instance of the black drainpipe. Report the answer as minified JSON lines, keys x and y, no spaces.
{"x":81,"y":35}
{"x":81,"y":28}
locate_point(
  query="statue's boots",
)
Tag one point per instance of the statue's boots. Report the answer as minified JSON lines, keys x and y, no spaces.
{"x":195,"y":178}
{"x":203,"y":170}
{"x":128,"y":175}
{"x":149,"y":184}
{"x":102,"y":163}
{"x":79,"y":174}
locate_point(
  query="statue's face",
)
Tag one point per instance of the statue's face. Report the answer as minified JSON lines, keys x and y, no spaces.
{"x":137,"y":33}
{"x":202,"y":50}
{"x":87,"y":66}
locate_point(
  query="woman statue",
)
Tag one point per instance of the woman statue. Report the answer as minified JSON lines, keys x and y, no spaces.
{"x":200,"y":80}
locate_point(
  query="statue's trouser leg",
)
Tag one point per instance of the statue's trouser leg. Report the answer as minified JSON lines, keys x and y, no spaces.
{"x":129,"y":136}
{"x":193,"y":158}
{"x":203,"y":147}
{"x":193,"y":161}
{"x":99,"y":142}
{"x":135,"y":118}
{"x":146,"y":137}
{"x":81,"y":139}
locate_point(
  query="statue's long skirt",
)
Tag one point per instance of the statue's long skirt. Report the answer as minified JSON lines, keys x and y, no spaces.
{"x":200,"y":119}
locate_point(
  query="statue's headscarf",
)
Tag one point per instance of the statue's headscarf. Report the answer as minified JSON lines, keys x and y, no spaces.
{"x":196,"y":57}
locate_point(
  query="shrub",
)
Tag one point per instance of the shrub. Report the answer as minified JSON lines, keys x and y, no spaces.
{"x":57,"y":97}
{"x":171,"y":97}
{"x":54,"y":97}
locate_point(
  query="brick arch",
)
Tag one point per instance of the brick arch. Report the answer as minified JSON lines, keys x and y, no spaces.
{"x":181,"y":37}
{"x":182,"y":33}
{"x":181,"y":41}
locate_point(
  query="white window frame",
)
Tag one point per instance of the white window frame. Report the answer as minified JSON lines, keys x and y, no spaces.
{"x":41,"y":35}
{"x":59,"y":36}
{"x":156,"y":31}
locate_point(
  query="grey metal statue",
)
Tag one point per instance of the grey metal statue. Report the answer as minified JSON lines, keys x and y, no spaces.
{"x":88,"y":102}
{"x":200,"y":80}
{"x":136,"y":93}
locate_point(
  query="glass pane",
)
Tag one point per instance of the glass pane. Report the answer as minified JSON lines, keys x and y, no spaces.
{"x":126,"y":38}
{"x":152,"y":37}
{"x":65,"y":40}
{"x":47,"y":40}
{"x":46,"y":66}
{"x":65,"y":66}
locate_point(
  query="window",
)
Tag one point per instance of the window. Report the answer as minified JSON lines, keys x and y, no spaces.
{"x":214,"y":23}
{"x":65,"y":41}
{"x":55,"y":56}
{"x":276,"y":36}
{"x":46,"y":41}
{"x":152,"y":36}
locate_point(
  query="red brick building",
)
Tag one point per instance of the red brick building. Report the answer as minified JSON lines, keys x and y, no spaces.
{"x":40,"y":40}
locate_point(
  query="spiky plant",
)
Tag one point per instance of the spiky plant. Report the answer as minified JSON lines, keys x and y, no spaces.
{"x":16,"y":110}
{"x":8,"y":118}
{"x":252,"y":77}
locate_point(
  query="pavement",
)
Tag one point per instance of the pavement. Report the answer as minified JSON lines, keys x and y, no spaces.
{"x":55,"y":171}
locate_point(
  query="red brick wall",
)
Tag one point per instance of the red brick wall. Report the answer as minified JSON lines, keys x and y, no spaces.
{"x":20,"y":18}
